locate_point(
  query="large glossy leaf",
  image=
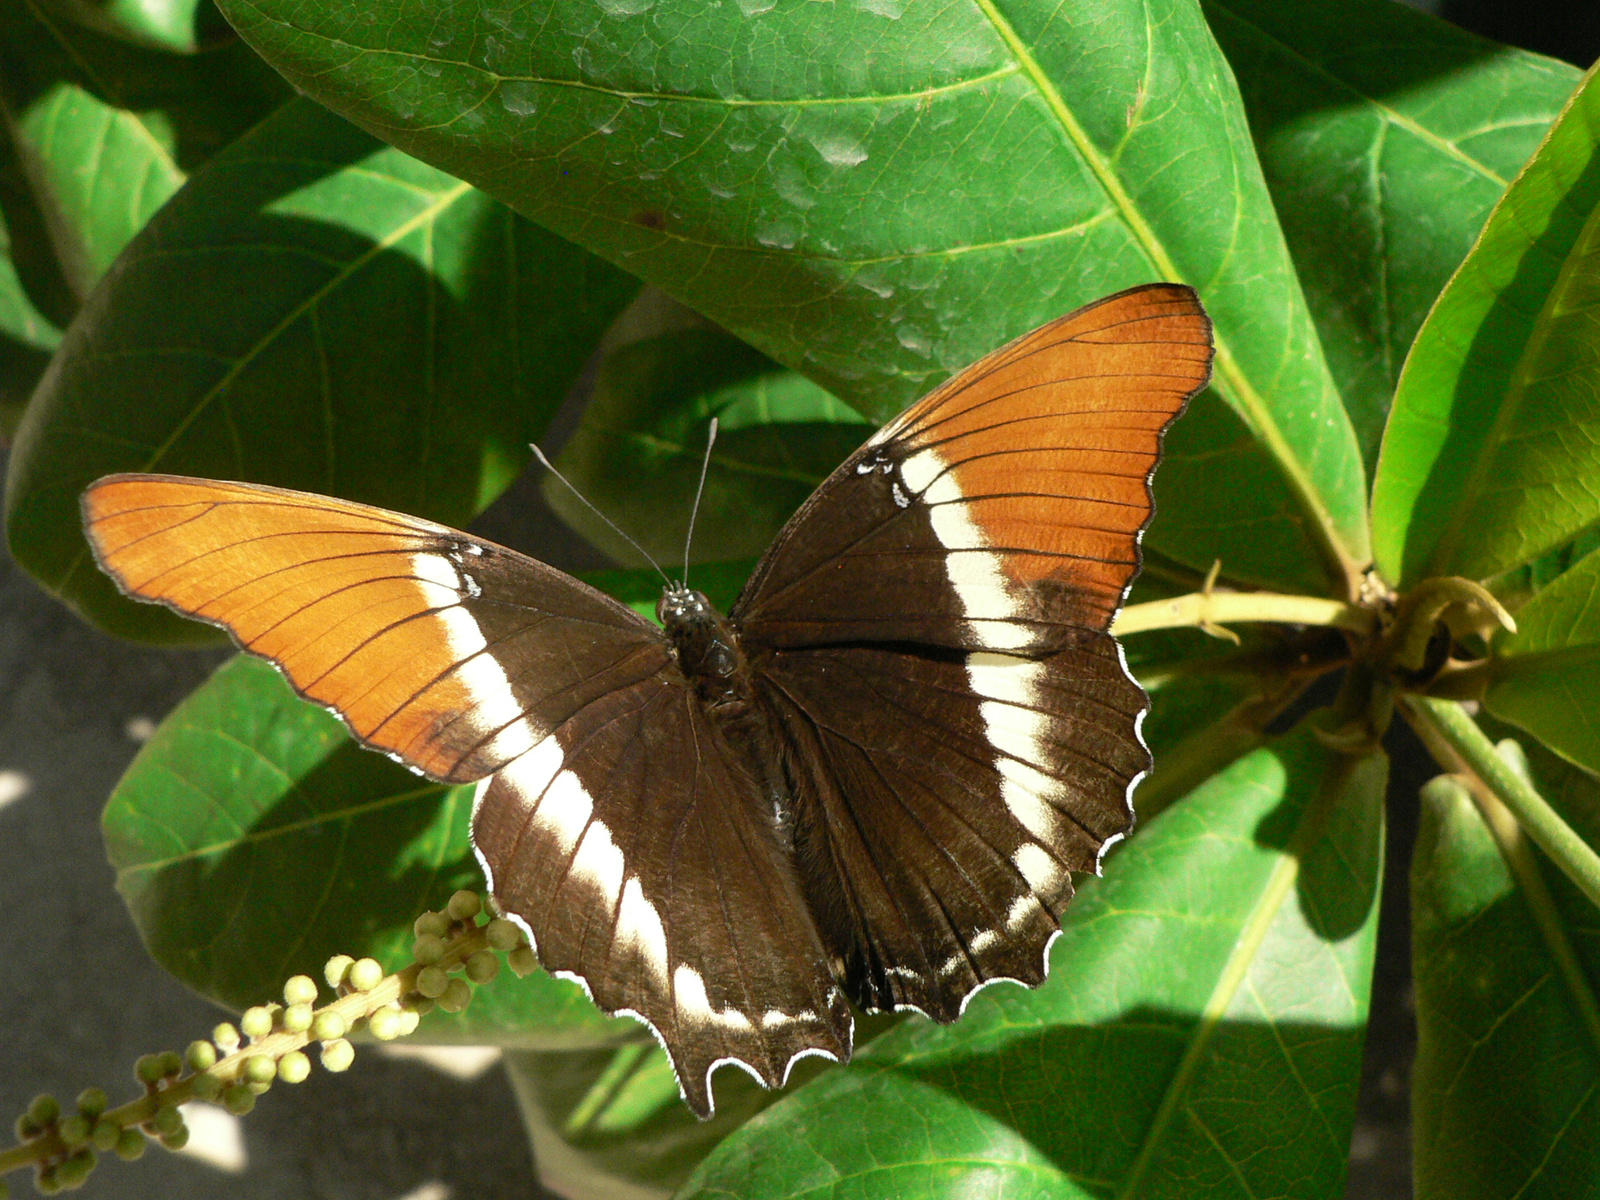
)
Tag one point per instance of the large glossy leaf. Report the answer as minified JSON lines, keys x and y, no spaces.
{"x":1386,"y":136}
{"x":314,"y":310}
{"x":877,"y":194}
{"x":637,"y":453}
{"x":106,"y":132}
{"x":1507,"y":1076}
{"x":1200,"y":1035}
{"x":252,"y":839}
{"x":1491,"y":458}
{"x":1543,"y":677}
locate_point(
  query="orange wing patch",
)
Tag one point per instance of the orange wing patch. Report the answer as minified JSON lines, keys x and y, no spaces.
{"x":1042,"y":452}
{"x":335,"y":594}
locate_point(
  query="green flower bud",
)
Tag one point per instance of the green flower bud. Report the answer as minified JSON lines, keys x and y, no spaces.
{"x":385,"y":1024}
{"x":259,"y":1068}
{"x":464,"y":905}
{"x":25,"y":1128}
{"x":365,"y":974}
{"x":326,"y":1026}
{"x":47,"y":1180}
{"x":297,"y":1018}
{"x":294,"y":1067}
{"x":432,"y":981}
{"x":74,"y":1132}
{"x":336,"y":970}
{"x":92,"y":1102}
{"x":167,"y":1119}
{"x":130,"y":1145}
{"x":201,"y":1056}
{"x":408,"y":1021}
{"x":503,"y":935}
{"x":171,"y":1063}
{"x":259,"y":1089}
{"x":76,"y":1169}
{"x":483,"y":966}
{"x":421,"y":1005}
{"x":178,"y":1140}
{"x":238,"y":1099}
{"x":43,"y":1110}
{"x":522,"y":961}
{"x":205,"y":1086}
{"x":428,"y":949}
{"x":456,"y":997}
{"x":337,"y":1055}
{"x":148,"y":1069}
{"x":226,"y":1037}
{"x":300,"y":989}
{"x":256,"y":1022}
{"x":106,"y":1135}
{"x":431,"y":924}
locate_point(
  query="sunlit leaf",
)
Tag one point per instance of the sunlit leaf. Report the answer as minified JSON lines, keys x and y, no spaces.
{"x":1490,"y":458}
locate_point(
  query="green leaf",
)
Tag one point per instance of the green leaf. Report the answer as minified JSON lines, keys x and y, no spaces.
{"x":1200,"y":1034}
{"x":253,"y":839}
{"x":1490,"y":457}
{"x":318,"y":311}
{"x":107,"y":132}
{"x":607,"y":1124}
{"x":1507,"y":1074}
{"x":27,"y":337}
{"x":1542,"y":677}
{"x":637,"y":453}
{"x":877,"y":220}
{"x":180,"y":26}
{"x":1386,"y":136}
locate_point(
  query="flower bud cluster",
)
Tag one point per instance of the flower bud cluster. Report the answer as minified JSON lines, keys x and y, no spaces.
{"x":452,"y":952}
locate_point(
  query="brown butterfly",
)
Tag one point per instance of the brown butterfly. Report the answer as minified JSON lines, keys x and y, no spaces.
{"x":870,"y":782}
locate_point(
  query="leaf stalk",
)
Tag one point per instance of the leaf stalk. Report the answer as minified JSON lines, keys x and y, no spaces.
{"x":1206,"y":608}
{"x":1445,"y":726}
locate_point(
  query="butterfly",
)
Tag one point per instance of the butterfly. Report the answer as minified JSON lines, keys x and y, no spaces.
{"x":869,"y":783}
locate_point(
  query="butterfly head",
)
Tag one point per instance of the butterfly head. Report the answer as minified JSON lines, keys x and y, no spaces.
{"x":706,"y":645}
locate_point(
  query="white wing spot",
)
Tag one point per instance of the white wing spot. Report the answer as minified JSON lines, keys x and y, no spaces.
{"x":1021,"y":909}
{"x":1041,"y":871}
{"x":983,"y":940}
{"x":598,"y":862}
{"x":639,"y":926}
{"x":495,"y":706}
{"x":973,"y":569}
{"x":692,"y":999}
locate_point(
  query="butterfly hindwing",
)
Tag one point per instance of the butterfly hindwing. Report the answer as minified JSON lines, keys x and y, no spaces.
{"x":644,"y":856}
{"x":931,"y":631}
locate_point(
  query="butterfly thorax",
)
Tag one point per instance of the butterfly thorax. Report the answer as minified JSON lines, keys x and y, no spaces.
{"x":707,"y":648}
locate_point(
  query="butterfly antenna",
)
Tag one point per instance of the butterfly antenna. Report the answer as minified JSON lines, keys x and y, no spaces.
{"x":549,"y":466}
{"x":688,"y":540}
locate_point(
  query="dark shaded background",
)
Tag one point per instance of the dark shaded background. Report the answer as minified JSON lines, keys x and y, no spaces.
{"x":82,"y":999}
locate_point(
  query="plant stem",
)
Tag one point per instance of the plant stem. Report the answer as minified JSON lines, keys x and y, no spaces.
{"x":1221,"y":608}
{"x":1447,"y":722}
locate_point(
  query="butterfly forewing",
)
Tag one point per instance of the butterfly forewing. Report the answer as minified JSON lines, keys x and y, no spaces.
{"x":450,"y":653}
{"x":931,"y":635}
{"x":1004,"y":509}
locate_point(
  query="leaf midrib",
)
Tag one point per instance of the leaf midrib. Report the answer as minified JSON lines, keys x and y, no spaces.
{"x":1445,"y":549}
{"x":1338,"y":558}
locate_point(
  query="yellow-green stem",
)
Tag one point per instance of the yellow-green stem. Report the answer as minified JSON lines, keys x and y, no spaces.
{"x":1447,"y":722}
{"x":1222,"y":608}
